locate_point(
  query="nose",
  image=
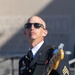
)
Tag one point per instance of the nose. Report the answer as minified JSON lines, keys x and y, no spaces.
{"x":32,"y":27}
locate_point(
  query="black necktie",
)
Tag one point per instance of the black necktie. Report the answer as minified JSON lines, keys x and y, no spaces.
{"x":30,"y":55}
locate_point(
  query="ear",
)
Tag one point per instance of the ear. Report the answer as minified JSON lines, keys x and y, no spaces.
{"x":45,"y":33}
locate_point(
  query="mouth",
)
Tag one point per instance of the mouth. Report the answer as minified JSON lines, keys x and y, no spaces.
{"x":32,"y":33}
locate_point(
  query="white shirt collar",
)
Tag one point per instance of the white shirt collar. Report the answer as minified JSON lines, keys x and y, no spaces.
{"x":36,"y":48}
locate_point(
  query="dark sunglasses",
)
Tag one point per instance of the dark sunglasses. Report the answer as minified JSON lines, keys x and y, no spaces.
{"x":36,"y":25}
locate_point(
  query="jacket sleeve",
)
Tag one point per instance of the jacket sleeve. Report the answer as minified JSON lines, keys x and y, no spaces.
{"x":63,"y":68}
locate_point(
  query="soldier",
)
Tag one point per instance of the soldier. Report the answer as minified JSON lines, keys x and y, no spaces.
{"x":37,"y":59}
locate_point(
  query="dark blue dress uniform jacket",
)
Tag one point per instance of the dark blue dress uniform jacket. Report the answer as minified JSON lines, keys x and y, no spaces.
{"x":37,"y":65}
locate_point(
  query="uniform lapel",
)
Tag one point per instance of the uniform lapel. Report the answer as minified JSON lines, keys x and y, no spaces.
{"x":37,"y":55}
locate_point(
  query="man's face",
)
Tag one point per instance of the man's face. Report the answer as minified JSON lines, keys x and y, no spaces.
{"x":34,"y":32}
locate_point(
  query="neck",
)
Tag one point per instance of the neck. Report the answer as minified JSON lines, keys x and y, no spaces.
{"x":33,"y":43}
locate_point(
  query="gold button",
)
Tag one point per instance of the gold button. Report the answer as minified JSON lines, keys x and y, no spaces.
{"x":30,"y":70}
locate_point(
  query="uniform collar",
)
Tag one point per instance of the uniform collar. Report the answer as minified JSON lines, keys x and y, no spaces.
{"x":36,"y":48}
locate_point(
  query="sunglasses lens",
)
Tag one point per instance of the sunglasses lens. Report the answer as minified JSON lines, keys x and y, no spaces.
{"x":28,"y":25}
{"x":37,"y":25}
